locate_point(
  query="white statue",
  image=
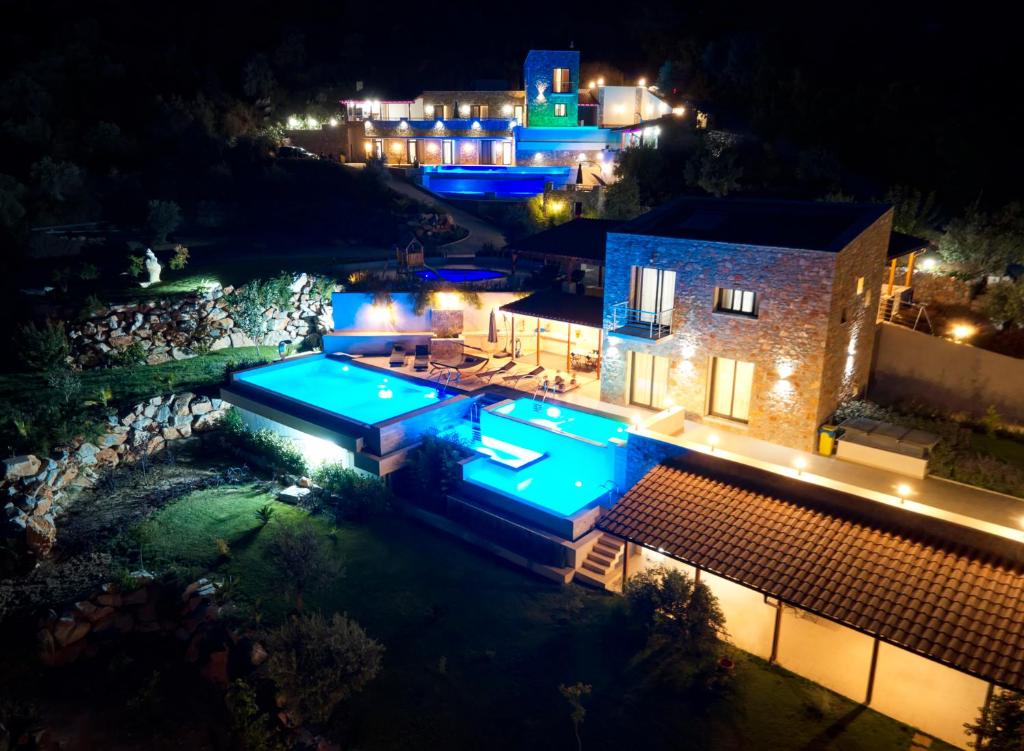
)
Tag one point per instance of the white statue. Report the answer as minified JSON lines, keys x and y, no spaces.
{"x":152,"y":268}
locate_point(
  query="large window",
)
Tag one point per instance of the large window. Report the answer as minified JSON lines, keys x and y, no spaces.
{"x":741,"y":301}
{"x":648,"y":380}
{"x":447,"y":152}
{"x":559,"y":110}
{"x":731,"y":384}
{"x":653,"y":294}
{"x":560,"y":83}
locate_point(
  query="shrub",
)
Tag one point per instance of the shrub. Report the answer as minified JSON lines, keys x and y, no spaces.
{"x":358,"y":496}
{"x":127,"y":357}
{"x":299,"y":551}
{"x":136,"y":265}
{"x":162,"y":218}
{"x":318,"y":663}
{"x":180,"y":258}
{"x":671,"y":608}
{"x":280,"y":453}
{"x":432,"y":471}
{"x":264,"y":514}
{"x":1000,"y":726}
{"x":250,"y":729}
{"x":43,"y":348}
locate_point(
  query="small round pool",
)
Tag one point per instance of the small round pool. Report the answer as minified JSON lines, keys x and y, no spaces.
{"x":458,"y":274}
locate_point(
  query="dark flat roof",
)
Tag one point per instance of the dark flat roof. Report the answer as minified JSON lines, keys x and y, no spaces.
{"x":582,"y":310}
{"x":806,"y":225}
{"x":901,"y":243}
{"x":946,"y":594}
{"x":580,"y":238}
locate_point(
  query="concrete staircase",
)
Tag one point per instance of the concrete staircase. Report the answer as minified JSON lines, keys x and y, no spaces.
{"x":602,"y":566}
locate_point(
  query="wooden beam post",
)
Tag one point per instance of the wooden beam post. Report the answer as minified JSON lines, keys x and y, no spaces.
{"x":871,"y":672}
{"x":625,"y":563}
{"x":892,"y":275}
{"x":568,"y":346}
{"x":910,"y":270}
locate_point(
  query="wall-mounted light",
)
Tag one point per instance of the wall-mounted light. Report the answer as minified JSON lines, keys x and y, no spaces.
{"x":439,"y":125}
{"x":506,"y":109}
{"x":432,"y":148}
{"x":712,"y":442}
{"x":538,"y":157}
{"x":902,"y":491}
{"x":475,"y":125}
{"x":429,"y":109}
{"x":642,"y":82}
{"x":464,"y":110}
{"x":403,"y":125}
{"x":799,"y":464}
{"x":590,"y":85}
{"x":600,"y":82}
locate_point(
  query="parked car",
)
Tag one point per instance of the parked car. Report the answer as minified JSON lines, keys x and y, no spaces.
{"x":294,"y":152}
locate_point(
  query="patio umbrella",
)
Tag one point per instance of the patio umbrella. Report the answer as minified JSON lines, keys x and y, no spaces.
{"x":492,"y":328}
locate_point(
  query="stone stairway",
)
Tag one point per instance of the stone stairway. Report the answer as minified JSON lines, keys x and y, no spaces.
{"x":602,"y":566}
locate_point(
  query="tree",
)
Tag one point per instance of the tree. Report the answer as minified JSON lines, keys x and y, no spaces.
{"x":714,"y":168}
{"x":1003,"y":302}
{"x":299,"y":551}
{"x":250,"y":729}
{"x":982,"y":243}
{"x":914,"y":212}
{"x":674,"y":611}
{"x":574,"y":695}
{"x":1000,"y":726}
{"x":57,"y":181}
{"x":162,"y":219}
{"x":622,"y":200}
{"x":12,"y":208}
{"x":43,"y":349}
{"x":249,"y":310}
{"x":257,"y":78}
{"x":318,"y":663}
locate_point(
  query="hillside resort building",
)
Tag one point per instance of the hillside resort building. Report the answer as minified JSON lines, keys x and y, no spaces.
{"x":665,"y":401}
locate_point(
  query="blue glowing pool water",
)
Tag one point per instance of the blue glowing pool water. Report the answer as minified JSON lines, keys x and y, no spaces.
{"x":503,"y":182}
{"x":458,"y":274}
{"x":571,"y":464}
{"x":343,"y":388}
{"x":573,"y":422}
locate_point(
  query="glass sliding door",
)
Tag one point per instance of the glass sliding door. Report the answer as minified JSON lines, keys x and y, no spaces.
{"x":653,"y":295}
{"x":447,"y":152}
{"x":648,"y":382}
{"x":412,"y":150}
{"x":732,"y":382}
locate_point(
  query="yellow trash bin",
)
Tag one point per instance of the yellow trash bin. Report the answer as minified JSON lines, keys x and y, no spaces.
{"x":827,"y":439}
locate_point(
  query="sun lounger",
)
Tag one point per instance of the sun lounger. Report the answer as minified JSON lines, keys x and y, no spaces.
{"x":514,"y":380}
{"x":487,"y":375}
{"x":398,"y":356}
{"x":422,"y":358}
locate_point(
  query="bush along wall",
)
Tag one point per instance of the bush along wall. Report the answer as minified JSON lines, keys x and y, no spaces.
{"x":32,"y":488}
{"x":176,"y":328}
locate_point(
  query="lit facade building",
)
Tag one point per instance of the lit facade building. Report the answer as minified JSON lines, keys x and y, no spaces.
{"x":755,"y":316}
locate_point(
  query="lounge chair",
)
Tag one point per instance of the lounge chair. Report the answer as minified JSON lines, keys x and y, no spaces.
{"x":398,"y":356}
{"x":487,"y":375}
{"x":422,"y":359}
{"x":514,"y":380}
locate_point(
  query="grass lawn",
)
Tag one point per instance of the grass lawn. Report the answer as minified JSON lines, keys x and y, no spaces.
{"x":132,"y":384}
{"x":476,"y":650}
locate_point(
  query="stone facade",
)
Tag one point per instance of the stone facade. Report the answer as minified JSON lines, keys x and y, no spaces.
{"x":809,"y":313}
{"x":541,"y":99}
{"x":175,"y":328}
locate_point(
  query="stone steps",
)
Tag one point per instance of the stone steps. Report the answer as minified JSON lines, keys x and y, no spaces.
{"x":602,"y":566}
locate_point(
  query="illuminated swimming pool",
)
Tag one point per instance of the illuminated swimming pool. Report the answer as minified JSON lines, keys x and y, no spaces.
{"x":484,"y":180}
{"x":342,"y":387}
{"x":573,"y":422}
{"x":459,"y":274}
{"x":550,"y":464}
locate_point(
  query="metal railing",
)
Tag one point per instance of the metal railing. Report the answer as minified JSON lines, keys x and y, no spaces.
{"x":651,"y":324}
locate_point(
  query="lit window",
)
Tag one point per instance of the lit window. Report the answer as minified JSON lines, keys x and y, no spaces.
{"x":732,"y":382}
{"x":560,"y":83}
{"x":739,"y":301}
{"x":860,"y":285}
{"x":559,"y":110}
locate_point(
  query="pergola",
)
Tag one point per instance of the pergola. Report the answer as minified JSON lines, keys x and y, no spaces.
{"x":585,"y":311}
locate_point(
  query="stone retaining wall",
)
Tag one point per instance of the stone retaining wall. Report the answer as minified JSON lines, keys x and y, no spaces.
{"x":32,"y":488}
{"x":176,"y":328}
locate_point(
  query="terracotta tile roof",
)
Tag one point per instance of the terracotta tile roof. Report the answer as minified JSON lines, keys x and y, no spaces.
{"x":933,"y":595}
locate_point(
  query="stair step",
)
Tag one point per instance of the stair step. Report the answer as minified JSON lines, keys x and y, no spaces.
{"x":594,"y":567}
{"x":602,"y":558}
{"x":608,"y":548}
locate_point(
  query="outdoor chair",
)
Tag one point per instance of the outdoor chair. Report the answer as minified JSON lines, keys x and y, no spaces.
{"x":421,"y":361}
{"x":515,"y":380}
{"x":398,"y":356}
{"x":487,"y":375}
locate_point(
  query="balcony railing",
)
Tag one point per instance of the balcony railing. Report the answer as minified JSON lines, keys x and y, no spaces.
{"x":640,"y":323}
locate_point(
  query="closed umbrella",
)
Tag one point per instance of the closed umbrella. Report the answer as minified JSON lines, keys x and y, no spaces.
{"x":579,"y":175}
{"x":492,"y":328}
